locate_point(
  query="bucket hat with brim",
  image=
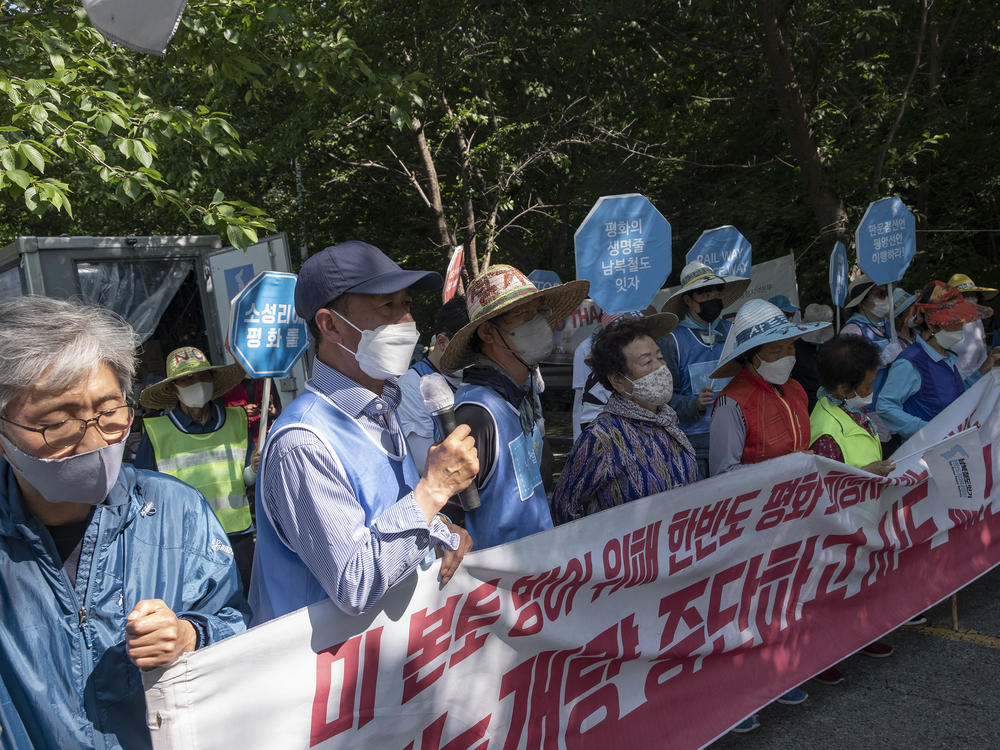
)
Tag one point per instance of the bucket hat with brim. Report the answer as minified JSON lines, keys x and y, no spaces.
{"x":189,"y":361}
{"x":696,"y":276}
{"x":498,"y":290}
{"x":858,"y":290}
{"x":757,"y":323}
{"x":941,"y":304}
{"x":965,"y":285}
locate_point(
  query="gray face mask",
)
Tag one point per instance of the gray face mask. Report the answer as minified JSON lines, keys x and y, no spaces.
{"x":85,"y":478}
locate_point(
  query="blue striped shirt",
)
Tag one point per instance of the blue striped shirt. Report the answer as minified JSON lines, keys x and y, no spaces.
{"x":314,"y":511}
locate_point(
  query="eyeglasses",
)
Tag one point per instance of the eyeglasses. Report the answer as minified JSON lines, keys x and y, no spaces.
{"x":518,"y":317}
{"x":113,"y":423}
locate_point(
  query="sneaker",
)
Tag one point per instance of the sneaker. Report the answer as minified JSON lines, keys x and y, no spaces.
{"x":749,"y":724}
{"x":793,"y":697}
{"x":878,"y":650}
{"x":916,"y":620}
{"x":831,"y":676}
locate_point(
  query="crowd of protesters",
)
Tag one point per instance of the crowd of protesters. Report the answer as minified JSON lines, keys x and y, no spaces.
{"x":109,"y":567}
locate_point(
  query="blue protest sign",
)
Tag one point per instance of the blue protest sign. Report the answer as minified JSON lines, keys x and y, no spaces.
{"x":886,"y":240}
{"x":724,"y":250}
{"x":265,"y":335}
{"x":544,"y":279}
{"x":838,"y":274}
{"x":623,"y":250}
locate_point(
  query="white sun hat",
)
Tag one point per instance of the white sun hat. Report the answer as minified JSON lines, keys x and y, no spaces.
{"x":758,"y":322}
{"x":696,"y":275}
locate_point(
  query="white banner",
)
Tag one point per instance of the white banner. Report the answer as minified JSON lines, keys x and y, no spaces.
{"x":622,"y":628}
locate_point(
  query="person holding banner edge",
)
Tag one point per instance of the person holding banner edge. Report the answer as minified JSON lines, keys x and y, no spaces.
{"x":342,"y":512}
{"x":692,"y":350}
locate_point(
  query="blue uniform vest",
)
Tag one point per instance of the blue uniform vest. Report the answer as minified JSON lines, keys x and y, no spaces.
{"x":422,"y":367}
{"x":282,"y":582}
{"x":514,"y":504}
{"x":696,"y":361}
{"x":940,"y":383}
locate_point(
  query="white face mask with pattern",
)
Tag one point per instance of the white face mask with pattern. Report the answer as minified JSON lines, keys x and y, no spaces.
{"x":654,"y":388}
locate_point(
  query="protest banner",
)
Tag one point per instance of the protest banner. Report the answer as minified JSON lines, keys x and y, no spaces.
{"x":661,"y":623}
{"x":725,"y":250}
{"x":623,"y":250}
{"x":453,"y":274}
{"x":569,"y":333}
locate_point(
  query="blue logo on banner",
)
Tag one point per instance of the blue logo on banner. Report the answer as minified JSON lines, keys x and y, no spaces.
{"x":838,"y":274}
{"x":886,"y":240}
{"x":623,"y":250}
{"x":265,"y":334}
{"x":544,"y":279}
{"x":724,"y":250}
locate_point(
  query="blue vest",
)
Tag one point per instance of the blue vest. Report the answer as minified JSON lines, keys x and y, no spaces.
{"x":940,"y":383}
{"x":282,"y":582}
{"x":696,"y":361}
{"x":514,"y":504}
{"x":422,"y":367}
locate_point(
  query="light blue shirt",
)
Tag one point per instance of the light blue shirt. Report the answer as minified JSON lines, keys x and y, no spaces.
{"x":314,"y":510}
{"x":901,"y":383}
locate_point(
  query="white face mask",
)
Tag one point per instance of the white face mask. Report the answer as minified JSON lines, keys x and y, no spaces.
{"x":948,"y":339}
{"x":532,"y":341}
{"x":857,"y":403}
{"x":654,"y":388}
{"x":84,"y":478}
{"x":195,"y":395}
{"x":882,"y":308}
{"x":776,"y":372}
{"x":386,"y":351}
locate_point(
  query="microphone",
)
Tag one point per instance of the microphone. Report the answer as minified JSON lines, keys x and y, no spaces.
{"x":440,"y":403}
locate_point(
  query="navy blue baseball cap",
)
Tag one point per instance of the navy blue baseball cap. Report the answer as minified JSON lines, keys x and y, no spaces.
{"x":358,"y":268}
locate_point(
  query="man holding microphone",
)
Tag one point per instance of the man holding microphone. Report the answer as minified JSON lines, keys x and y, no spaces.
{"x":342,"y":512}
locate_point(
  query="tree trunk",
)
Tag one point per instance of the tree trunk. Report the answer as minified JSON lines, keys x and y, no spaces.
{"x":827,"y":205}
{"x":445,"y":236}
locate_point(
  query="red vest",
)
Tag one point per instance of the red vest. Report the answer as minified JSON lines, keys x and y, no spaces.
{"x":777,"y":417}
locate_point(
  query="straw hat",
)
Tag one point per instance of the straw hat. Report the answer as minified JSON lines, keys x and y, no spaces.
{"x":941,"y":304}
{"x":696,"y":276}
{"x":188,"y":361}
{"x":964,"y":284}
{"x":858,"y":289}
{"x":757,"y":323}
{"x":500,"y":289}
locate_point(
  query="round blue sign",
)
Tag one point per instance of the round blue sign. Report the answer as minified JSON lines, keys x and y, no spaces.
{"x":623,"y":250}
{"x":265,"y":335}
{"x":886,"y":240}
{"x":725,"y":250}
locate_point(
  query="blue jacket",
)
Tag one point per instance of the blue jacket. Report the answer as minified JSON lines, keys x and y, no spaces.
{"x":65,"y":678}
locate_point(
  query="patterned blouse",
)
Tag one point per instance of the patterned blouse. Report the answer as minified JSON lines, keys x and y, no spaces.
{"x":618,"y":459}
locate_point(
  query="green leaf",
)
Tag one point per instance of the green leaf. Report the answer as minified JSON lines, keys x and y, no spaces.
{"x":139,"y":152}
{"x":31,"y":200}
{"x":7,"y":159}
{"x":19,"y":177}
{"x":132,"y":188}
{"x":103,"y":123}
{"x":31,"y":154}
{"x":38,"y":113}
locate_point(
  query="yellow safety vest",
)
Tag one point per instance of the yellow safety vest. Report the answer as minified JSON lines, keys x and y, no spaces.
{"x":859,"y":446}
{"x":211,"y":462}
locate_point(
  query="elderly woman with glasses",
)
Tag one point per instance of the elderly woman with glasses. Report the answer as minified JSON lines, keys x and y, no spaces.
{"x":634,"y":448}
{"x":137,"y":556}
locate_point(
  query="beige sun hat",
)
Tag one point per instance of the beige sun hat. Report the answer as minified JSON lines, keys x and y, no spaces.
{"x":500,"y":289}
{"x":188,"y":361}
{"x":696,"y":275}
{"x":858,"y":290}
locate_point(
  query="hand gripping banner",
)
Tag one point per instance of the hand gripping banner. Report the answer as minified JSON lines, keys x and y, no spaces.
{"x":661,"y":623}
